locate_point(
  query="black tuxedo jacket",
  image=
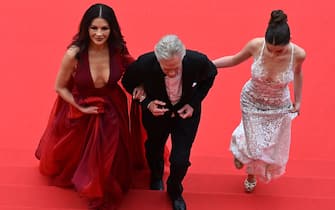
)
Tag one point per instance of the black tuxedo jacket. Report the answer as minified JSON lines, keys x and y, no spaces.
{"x":198,"y":74}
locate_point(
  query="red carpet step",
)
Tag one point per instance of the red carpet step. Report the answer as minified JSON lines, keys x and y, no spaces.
{"x":305,"y":186}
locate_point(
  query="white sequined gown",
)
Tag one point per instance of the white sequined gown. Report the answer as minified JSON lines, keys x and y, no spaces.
{"x":262,"y":139}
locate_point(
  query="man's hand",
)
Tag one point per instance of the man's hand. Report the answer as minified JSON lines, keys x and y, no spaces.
{"x":186,"y":111}
{"x":157,"y":108}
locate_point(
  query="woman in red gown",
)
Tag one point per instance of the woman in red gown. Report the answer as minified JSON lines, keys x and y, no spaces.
{"x":86,"y":143}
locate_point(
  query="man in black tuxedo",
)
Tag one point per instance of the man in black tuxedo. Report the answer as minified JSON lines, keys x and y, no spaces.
{"x":170,"y":83}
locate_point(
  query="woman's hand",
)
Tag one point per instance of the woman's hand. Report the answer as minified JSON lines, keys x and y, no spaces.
{"x":90,"y":110}
{"x":139,"y":93}
{"x":296,"y":108}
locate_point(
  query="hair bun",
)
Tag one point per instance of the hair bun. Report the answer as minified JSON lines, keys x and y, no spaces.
{"x":277,"y":17}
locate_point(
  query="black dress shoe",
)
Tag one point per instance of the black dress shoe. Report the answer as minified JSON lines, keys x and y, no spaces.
{"x":156,"y":184}
{"x":178,"y":203}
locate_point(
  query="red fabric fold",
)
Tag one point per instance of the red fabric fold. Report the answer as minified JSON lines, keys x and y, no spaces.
{"x":138,"y":136}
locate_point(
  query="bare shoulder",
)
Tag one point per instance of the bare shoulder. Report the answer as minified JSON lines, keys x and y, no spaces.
{"x":69,"y":61}
{"x":258,"y":41}
{"x":255,"y":45}
{"x":69,"y":58}
{"x":299,"y":53}
{"x":71,"y":52}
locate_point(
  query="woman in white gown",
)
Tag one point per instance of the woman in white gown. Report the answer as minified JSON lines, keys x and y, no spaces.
{"x":261,"y":142}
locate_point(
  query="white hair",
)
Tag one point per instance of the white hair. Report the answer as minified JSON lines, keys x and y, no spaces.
{"x":168,"y":46}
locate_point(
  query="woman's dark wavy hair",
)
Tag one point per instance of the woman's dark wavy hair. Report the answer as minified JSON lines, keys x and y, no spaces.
{"x":115,"y":39}
{"x":278,"y":31}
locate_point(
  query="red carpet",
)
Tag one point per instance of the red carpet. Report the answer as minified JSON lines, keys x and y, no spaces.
{"x":35,"y":34}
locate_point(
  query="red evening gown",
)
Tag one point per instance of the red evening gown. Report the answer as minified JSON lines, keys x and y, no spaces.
{"x":92,"y":152}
